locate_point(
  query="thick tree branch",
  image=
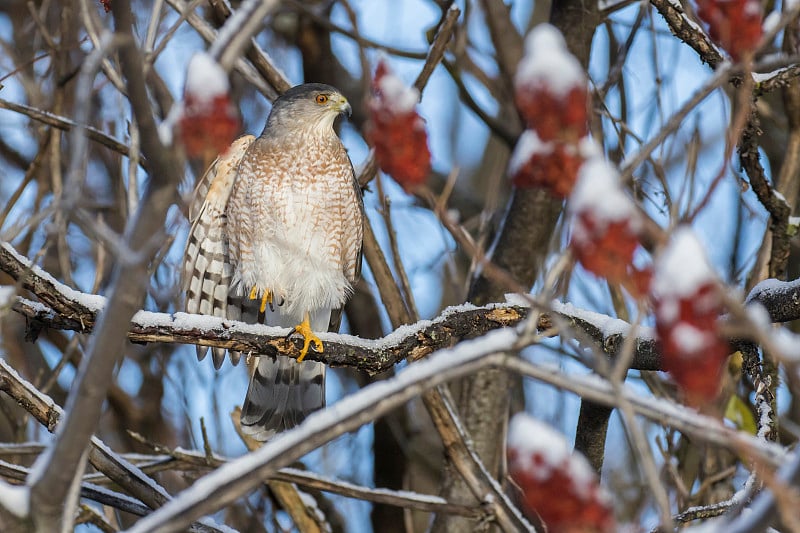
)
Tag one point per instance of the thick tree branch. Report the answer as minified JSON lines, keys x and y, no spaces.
{"x":53,"y":485}
{"x":67,"y":309}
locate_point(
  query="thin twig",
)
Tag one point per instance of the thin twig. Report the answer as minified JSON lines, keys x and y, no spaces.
{"x":66,"y":124}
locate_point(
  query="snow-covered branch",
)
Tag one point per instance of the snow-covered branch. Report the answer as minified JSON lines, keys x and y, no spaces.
{"x":236,"y":478}
{"x":62,"y":307}
{"x":123,"y":473}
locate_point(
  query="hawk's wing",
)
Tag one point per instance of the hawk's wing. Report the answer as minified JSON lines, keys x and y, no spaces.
{"x":353,"y":274}
{"x":207,"y":269}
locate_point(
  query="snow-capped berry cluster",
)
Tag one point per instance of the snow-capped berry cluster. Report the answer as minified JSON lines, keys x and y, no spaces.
{"x":733,"y":24}
{"x":396,"y":130}
{"x":551,"y":95}
{"x":557,"y":485}
{"x":208,"y":121}
{"x":606,"y":227}
{"x":688,"y":305}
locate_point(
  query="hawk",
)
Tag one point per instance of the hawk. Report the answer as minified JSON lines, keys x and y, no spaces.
{"x":276,"y":232}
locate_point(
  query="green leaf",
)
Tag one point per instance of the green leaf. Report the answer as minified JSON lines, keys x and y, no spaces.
{"x":740,"y":414}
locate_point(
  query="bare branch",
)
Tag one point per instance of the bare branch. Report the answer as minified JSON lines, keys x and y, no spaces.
{"x":66,"y":124}
{"x":117,"y":469}
{"x":236,"y":478}
{"x":438,"y":47}
{"x":51,"y":484}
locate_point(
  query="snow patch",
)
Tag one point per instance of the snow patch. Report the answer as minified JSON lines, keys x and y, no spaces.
{"x":766,"y":287}
{"x":772,"y":20}
{"x":15,"y":499}
{"x":690,"y":339}
{"x":607,"y":325}
{"x":205,"y":78}
{"x":598,"y":191}
{"x":528,"y":145}
{"x":682,"y":268}
{"x":92,"y":302}
{"x":7,"y":293}
{"x":528,"y":437}
{"x":397,"y":98}
{"x":548,"y":63}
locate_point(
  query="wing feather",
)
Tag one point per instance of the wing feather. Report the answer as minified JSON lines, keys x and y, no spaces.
{"x":207,"y":268}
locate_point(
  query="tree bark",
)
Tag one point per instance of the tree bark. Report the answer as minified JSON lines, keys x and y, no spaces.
{"x":520,"y":248}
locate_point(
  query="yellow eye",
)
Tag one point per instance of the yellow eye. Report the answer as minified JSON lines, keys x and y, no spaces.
{"x":322,"y":99}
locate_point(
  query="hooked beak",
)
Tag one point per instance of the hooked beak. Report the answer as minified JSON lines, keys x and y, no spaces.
{"x":343,"y":106}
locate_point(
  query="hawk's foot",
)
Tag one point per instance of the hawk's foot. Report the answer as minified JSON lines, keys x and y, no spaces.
{"x":304,"y":329}
{"x":266,"y":298}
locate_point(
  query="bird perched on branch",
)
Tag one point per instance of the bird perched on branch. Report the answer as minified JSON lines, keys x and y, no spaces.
{"x":276,"y":232}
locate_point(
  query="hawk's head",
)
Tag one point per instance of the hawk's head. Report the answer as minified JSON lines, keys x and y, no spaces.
{"x":309,"y":106}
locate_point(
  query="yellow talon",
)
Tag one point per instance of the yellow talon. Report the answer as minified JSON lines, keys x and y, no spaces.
{"x":266,"y":297}
{"x":304,"y":329}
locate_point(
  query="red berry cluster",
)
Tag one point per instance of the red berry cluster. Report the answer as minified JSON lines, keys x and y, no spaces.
{"x":551,"y":95}
{"x":208,"y":125}
{"x":608,"y":253}
{"x":606,"y":228}
{"x":688,"y":305}
{"x":396,"y":130}
{"x":549,"y":165}
{"x":555,"y":484}
{"x":554,"y":117}
{"x":733,"y":24}
{"x":208,"y":120}
{"x":106,"y":5}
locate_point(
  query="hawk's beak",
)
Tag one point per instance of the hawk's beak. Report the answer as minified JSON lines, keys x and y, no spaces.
{"x":343,"y":106}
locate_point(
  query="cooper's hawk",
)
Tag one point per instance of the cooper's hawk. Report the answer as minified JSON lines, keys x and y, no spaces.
{"x":276,"y":229}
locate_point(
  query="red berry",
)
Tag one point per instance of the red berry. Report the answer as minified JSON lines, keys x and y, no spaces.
{"x":549,"y":165}
{"x":550,"y":88}
{"x":208,"y":121}
{"x":605,"y":232}
{"x":687,"y":308}
{"x":557,"y":485}
{"x":733,"y":24}
{"x":397,"y":131}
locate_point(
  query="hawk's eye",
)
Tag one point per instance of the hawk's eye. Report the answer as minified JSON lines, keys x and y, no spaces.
{"x":322,"y":99}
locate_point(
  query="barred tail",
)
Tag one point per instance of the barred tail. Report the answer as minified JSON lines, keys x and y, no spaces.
{"x":281,"y":394}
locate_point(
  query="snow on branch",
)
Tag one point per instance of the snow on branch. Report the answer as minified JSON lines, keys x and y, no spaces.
{"x":61,"y":307}
{"x":234,"y":479}
{"x":64,"y":308}
{"x":183,"y":460}
{"x":495,"y":349}
{"x":15,"y":499}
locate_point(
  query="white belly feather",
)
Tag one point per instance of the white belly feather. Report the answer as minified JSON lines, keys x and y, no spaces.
{"x":292,"y":243}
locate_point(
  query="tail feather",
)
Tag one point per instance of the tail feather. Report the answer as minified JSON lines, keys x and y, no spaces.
{"x":281,"y":394}
{"x":202,"y":352}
